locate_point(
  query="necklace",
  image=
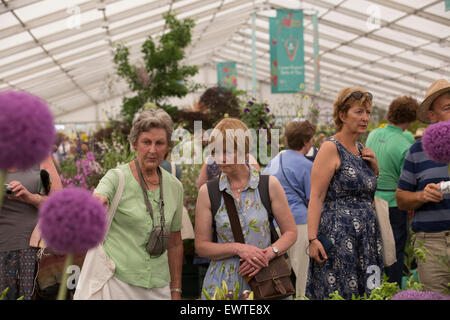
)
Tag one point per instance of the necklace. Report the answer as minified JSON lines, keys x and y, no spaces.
{"x":153,"y":183}
{"x":239,"y":189}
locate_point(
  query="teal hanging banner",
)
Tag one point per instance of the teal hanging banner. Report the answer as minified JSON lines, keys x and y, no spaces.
{"x":447,"y":5}
{"x":227,"y":75}
{"x":287,"y":61}
{"x":316,"y":50}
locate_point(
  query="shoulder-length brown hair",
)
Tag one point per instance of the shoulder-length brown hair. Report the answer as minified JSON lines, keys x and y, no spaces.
{"x":340,"y":106}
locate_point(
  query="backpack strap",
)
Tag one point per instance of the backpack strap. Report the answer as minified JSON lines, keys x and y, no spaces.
{"x":263,"y":188}
{"x":215,"y":198}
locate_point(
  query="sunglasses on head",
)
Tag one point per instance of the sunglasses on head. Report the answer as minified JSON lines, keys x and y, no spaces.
{"x":358,"y":95}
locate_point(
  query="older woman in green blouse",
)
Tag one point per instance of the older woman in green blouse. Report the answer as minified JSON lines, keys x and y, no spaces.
{"x":139,"y":275}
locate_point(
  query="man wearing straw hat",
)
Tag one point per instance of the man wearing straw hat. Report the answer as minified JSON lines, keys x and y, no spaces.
{"x":418,"y":190}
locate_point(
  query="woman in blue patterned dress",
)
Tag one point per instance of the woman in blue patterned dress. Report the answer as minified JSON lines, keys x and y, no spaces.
{"x":343,"y":184}
{"x":230,"y":260}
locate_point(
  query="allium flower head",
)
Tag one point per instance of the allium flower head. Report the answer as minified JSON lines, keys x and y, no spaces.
{"x":72,"y":221}
{"x":436,"y":141}
{"x":27,"y":131}
{"x":419,"y":295}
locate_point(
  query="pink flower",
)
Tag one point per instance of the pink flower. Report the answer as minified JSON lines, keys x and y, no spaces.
{"x":419,"y":295}
{"x":27,"y":131}
{"x":436,"y":141}
{"x":72,"y":220}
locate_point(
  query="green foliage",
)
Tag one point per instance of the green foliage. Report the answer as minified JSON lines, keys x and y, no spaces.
{"x":162,"y":75}
{"x":2,"y":297}
{"x":416,"y":125}
{"x":114,"y":152}
{"x":5,"y":292}
{"x":108,"y":148}
{"x":385,"y":292}
{"x":219,"y":103}
{"x":422,"y":253}
{"x":190,"y":173}
{"x":412,"y":284}
{"x":256,"y":115}
{"x":223,"y":293}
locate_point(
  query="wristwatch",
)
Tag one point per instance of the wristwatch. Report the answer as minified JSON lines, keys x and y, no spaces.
{"x":275,"y":250}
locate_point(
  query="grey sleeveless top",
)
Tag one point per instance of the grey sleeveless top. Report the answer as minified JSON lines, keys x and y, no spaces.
{"x":18,"y":219}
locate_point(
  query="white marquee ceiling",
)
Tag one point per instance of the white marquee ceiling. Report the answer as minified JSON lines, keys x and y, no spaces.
{"x":62,"y":50}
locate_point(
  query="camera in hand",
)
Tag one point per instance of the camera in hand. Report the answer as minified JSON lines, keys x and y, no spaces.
{"x":8,"y":190}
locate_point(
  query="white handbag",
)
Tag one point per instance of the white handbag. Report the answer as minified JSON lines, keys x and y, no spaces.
{"x":387,"y":236}
{"x":98,"y":268}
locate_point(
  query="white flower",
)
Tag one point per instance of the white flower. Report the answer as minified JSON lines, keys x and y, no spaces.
{"x":356,"y":225}
{"x":352,"y":283}
{"x":331,"y":279}
{"x":349,"y":245}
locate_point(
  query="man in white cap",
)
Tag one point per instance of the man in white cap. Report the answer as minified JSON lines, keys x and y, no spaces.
{"x":418,"y":190}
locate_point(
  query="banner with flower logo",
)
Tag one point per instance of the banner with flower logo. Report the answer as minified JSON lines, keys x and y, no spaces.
{"x":227,"y":75}
{"x":287,"y":60}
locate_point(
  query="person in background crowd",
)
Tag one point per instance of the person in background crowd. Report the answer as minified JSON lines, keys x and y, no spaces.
{"x":341,"y":215}
{"x":312,"y":153}
{"x":19,"y":233}
{"x":293,"y":171}
{"x":418,"y":190}
{"x":390,"y":145}
{"x":239,"y":180}
{"x":138,"y":275}
{"x":419,"y":133}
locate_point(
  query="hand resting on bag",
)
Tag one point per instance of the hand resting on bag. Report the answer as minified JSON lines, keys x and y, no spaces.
{"x":248,"y":270}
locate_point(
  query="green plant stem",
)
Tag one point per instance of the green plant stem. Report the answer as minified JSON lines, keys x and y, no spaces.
{"x":2,"y":187}
{"x":63,"y":286}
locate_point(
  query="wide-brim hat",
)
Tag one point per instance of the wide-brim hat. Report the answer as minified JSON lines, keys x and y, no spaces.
{"x":435,"y":90}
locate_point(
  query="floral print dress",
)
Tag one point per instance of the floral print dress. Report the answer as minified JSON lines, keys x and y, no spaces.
{"x":355,"y":262}
{"x":255,"y":227}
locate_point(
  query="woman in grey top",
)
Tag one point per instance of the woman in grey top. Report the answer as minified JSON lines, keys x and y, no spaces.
{"x":19,"y":235}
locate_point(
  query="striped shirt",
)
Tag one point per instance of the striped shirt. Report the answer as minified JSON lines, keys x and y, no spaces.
{"x":418,"y":171}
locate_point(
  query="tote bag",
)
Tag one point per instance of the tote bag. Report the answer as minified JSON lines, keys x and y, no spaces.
{"x":98,"y":268}
{"x":387,"y":236}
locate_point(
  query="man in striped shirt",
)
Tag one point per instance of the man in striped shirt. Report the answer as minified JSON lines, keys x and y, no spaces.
{"x":418,"y":190}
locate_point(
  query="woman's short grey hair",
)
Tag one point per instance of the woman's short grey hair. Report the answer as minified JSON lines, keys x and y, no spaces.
{"x":149,"y":119}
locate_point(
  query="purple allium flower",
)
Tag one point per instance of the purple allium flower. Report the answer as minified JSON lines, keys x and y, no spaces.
{"x":419,"y":295}
{"x":436,"y":141}
{"x":90,"y":156}
{"x":267,"y":110}
{"x":261,"y":121}
{"x":246,"y":110}
{"x":72,"y":221}
{"x":27,"y":131}
{"x":250,"y":103}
